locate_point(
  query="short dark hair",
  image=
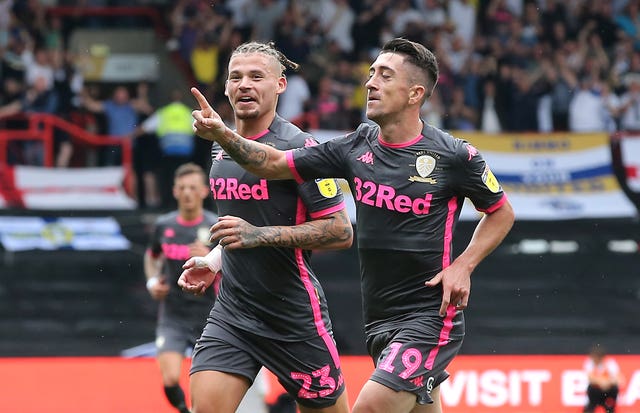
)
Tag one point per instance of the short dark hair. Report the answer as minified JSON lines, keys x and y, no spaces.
{"x":188,"y":169}
{"x":268,"y":49}
{"x":417,"y":55}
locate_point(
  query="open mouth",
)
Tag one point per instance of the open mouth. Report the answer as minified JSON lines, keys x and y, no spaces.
{"x":246,"y":99}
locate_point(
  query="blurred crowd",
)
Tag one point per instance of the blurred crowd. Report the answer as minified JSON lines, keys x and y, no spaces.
{"x":505,"y":65}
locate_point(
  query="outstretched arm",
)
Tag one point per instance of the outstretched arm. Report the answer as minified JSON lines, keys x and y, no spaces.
{"x":333,"y":231}
{"x":259,"y":159}
{"x":456,"y":278}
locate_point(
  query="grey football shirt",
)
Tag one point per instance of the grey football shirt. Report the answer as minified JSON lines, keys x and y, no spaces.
{"x":408,"y":200}
{"x":171,"y":237}
{"x":272,"y":291}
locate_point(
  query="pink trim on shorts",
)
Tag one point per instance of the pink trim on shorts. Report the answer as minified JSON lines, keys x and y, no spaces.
{"x":443,"y":340}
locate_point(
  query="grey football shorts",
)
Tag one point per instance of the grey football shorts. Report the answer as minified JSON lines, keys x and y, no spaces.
{"x":413,"y":358}
{"x":308,"y":370}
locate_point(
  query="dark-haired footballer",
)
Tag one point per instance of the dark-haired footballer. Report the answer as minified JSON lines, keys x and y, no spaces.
{"x":409,"y":181}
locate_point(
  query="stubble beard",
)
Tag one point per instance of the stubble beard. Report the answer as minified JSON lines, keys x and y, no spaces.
{"x":248,"y":114}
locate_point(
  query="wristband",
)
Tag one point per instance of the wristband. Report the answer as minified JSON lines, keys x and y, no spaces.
{"x":152,"y":282}
{"x":213,"y":260}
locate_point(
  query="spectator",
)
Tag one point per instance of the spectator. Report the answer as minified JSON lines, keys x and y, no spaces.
{"x":39,"y":66}
{"x":604,"y":377}
{"x":67,"y":84}
{"x":462,"y":14}
{"x":611,"y":102}
{"x":172,"y":125}
{"x":368,"y":24}
{"x":586,"y":108}
{"x":489,"y":120}
{"x":433,"y":13}
{"x":402,"y":14}
{"x":433,"y":111}
{"x":39,"y":98}
{"x":630,"y":104}
{"x":292,"y":102}
{"x":206,"y":51}
{"x":338,"y":25}
{"x":263,"y":15}
{"x":290,"y":34}
{"x":563,"y":82}
{"x":629,"y":22}
{"x":329,"y":106}
{"x":460,"y":116}
{"x":121,"y":113}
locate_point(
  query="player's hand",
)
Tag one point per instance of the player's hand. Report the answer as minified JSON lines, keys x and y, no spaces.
{"x":233,"y":232}
{"x":207,"y":123}
{"x":197,"y":276}
{"x":158,"y":287}
{"x":456,"y":287}
{"x":198,"y":249}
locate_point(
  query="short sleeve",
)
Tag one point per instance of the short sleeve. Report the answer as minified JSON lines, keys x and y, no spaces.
{"x":473,"y":178}
{"x":326,"y":160}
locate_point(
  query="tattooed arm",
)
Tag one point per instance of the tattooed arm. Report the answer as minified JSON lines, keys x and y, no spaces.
{"x":259,"y":159}
{"x":332,"y":231}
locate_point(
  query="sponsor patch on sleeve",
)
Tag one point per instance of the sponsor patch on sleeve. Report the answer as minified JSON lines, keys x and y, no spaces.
{"x":490,"y":180}
{"x":327,"y":187}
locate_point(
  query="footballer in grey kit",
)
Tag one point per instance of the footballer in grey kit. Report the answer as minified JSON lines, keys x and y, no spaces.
{"x":408,"y":199}
{"x":409,"y":181}
{"x":181,"y":315}
{"x":270,"y":295}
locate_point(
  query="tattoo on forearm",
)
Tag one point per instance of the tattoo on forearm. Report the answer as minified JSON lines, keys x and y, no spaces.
{"x":244,"y":152}
{"x":316,"y":234}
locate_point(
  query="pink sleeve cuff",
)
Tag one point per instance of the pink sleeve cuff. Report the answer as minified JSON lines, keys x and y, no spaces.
{"x":328,"y":211}
{"x":292,"y":166}
{"x":495,"y":206}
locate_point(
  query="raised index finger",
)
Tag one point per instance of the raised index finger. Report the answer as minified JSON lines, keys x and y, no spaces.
{"x":202,"y":101}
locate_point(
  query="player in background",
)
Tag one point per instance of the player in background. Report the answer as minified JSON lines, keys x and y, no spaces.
{"x":409,"y":181}
{"x":176,"y":237}
{"x":271,"y":310}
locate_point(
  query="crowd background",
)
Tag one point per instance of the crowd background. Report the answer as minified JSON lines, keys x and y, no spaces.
{"x":505,"y":65}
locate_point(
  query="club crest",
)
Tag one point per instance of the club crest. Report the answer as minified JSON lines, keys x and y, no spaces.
{"x":425,"y":164}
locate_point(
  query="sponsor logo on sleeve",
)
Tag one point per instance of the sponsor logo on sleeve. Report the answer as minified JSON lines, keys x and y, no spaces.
{"x":490,"y":180}
{"x":327,"y":187}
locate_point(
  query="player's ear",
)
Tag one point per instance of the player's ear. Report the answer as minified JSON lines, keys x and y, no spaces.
{"x":416,"y":93}
{"x":282,"y":84}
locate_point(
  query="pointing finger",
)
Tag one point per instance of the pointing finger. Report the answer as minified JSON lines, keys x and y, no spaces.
{"x":202,"y":101}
